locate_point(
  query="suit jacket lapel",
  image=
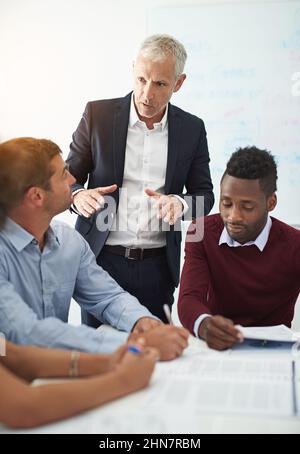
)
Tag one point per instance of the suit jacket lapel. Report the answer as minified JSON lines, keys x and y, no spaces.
{"x":174,"y":125}
{"x":120,"y":128}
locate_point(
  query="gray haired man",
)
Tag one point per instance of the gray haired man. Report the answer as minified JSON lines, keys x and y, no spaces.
{"x":143,"y":152}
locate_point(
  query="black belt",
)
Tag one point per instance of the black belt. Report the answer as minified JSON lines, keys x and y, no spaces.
{"x":135,"y":253}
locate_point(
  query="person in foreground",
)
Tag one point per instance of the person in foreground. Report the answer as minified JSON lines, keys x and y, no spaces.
{"x":43,"y":266}
{"x":102,"y":378}
{"x":246,"y":269}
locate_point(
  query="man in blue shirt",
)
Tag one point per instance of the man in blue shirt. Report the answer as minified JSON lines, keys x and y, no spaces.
{"x":43,"y":266}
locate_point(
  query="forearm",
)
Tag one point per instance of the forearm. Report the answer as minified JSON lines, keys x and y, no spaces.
{"x":39,"y":405}
{"x":57,"y":364}
{"x":33,"y":362}
{"x":189,"y":311}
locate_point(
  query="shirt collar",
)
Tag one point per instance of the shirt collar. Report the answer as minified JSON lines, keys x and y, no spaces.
{"x":20,"y":238}
{"x":134,"y":119}
{"x":260,"y":241}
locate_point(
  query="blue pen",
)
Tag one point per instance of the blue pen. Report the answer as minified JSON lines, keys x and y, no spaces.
{"x":134,"y":349}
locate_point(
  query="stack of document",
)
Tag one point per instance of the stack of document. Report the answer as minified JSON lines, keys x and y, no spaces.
{"x":278,"y":333}
{"x":258,"y":381}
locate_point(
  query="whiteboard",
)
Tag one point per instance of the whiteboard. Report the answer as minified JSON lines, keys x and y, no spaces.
{"x":242,"y":68}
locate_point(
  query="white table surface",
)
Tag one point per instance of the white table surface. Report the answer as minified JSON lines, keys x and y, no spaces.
{"x":131,"y":415}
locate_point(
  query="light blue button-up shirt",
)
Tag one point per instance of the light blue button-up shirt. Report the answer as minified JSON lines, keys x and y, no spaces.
{"x":36,"y":290}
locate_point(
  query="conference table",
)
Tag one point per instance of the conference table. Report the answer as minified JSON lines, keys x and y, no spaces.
{"x":242,"y":390}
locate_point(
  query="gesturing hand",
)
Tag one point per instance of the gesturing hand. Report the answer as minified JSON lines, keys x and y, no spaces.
{"x":135,"y":370}
{"x":88,"y":201}
{"x":169,"y":207}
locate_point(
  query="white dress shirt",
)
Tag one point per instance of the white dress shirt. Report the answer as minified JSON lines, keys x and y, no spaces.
{"x":260,"y":242}
{"x":136,"y":224}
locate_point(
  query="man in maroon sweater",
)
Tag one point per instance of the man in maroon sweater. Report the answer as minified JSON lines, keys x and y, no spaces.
{"x":246,"y":269}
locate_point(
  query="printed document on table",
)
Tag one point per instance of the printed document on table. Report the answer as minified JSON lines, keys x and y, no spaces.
{"x":222,"y":383}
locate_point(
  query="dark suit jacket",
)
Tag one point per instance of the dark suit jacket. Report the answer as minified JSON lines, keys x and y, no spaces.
{"x":97,"y":154}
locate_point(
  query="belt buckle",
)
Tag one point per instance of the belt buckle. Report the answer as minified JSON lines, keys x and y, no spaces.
{"x":127,"y":253}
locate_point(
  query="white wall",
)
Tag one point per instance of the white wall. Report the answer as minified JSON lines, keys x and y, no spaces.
{"x":56,"y":55}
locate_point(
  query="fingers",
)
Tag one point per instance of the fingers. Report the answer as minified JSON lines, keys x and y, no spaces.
{"x":220,"y":333}
{"x":175,"y":337}
{"x":219,"y":343}
{"x":169,"y":340}
{"x":118,"y":355}
{"x":181,"y":343}
{"x":138,"y":329}
{"x":170,"y":209}
{"x":141,"y":342}
{"x":168,"y":205}
{"x":120,"y":352}
{"x":184,"y":333}
{"x":182,"y":339}
{"x":87,"y":206}
{"x":107,"y":189}
{"x":143,"y":353}
{"x":167,"y":213}
{"x":151,"y":193}
{"x":144,"y":324}
{"x":151,"y":353}
{"x":226,"y":326}
{"x":88,"y":201}
{"x":175,"y":341}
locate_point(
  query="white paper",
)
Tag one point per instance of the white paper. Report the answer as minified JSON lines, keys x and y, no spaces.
{"x":279,"y":333}
{"x":221,"y":383}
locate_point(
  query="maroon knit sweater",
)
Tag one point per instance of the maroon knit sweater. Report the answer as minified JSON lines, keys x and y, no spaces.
{"x":250,"y":287}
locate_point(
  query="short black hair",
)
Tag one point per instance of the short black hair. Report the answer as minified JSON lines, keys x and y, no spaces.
{"x":251,"y":163}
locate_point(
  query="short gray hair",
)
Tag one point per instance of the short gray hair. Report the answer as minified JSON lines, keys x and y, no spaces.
{"x":162,"y":46}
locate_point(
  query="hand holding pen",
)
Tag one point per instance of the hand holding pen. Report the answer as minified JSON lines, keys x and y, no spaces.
{"x":136,"y":367}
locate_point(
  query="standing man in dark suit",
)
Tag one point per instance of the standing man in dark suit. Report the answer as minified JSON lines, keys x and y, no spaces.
{"x":140,"y":152}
